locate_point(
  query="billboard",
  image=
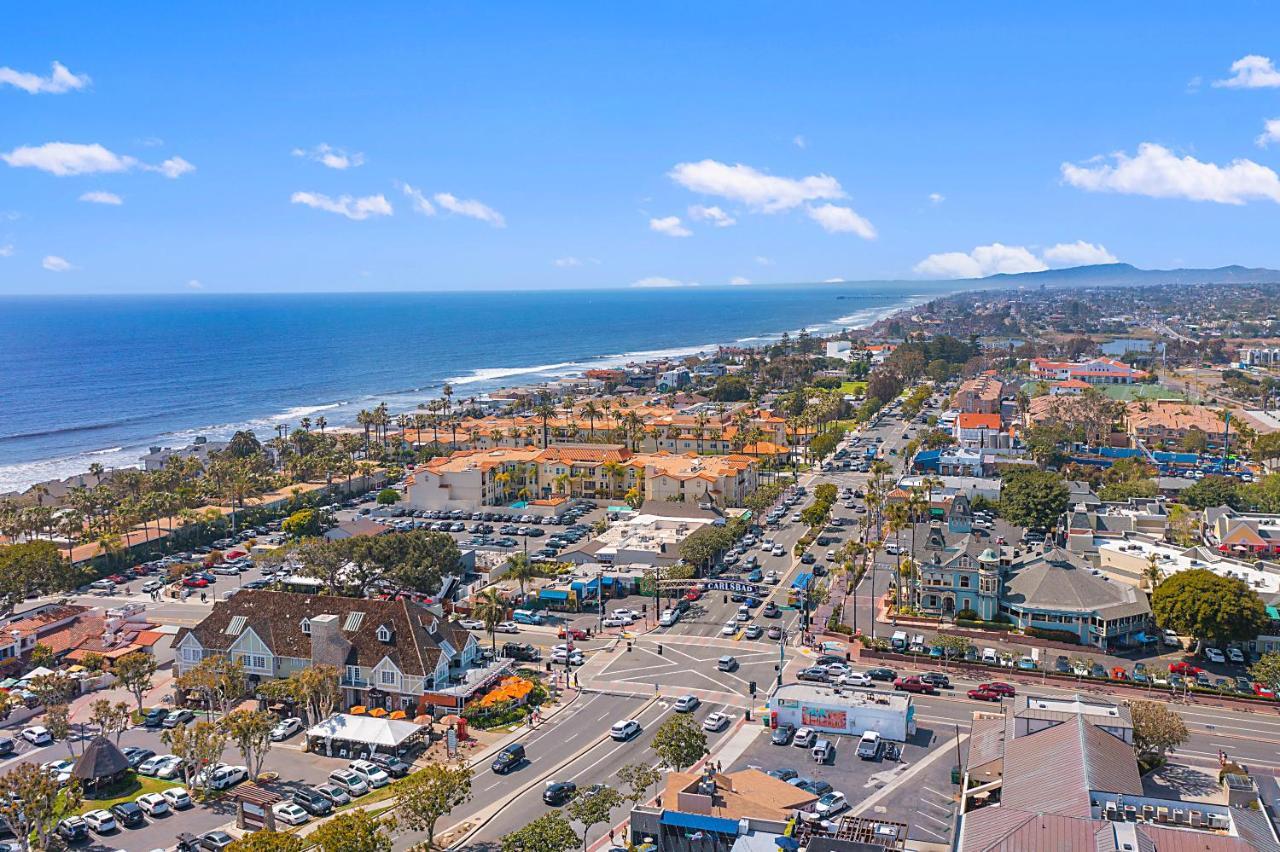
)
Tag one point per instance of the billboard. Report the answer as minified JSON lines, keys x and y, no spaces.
{"x":824,"y":717}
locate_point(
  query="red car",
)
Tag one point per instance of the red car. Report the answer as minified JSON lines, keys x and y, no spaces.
{"x":692,"y":595}
{"x":571,"y":633}
{"x":117,"y":578}
{"x":1119,"y":673}
{"x":984,"y":694}
{"x":195,"y":582}
{"x":999,"y":688}
{"x":914,"y":684}
{"x":1263,"y":691}
{"x":1185,"y":668}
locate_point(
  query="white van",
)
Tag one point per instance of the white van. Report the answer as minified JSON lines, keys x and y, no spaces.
{"x":990,"y":656}
{"x":668,"y":618}
{"x":823,"y":751}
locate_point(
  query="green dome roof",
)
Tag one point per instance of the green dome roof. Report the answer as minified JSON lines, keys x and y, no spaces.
{"x":988,"y":555}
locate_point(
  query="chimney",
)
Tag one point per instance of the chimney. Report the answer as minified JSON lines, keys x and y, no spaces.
{"x":328,"y":645}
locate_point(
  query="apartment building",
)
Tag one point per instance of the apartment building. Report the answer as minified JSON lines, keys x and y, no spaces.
{"x":1094,"y":371}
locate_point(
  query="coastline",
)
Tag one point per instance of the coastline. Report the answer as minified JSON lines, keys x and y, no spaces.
{"x":21,"y":475}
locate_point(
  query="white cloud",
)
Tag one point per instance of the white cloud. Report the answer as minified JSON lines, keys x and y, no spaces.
{"x":1158,"y":173}
{"x":936,"y":198}
{"x":799,"y":141}
{"x":566,"y":262}
{"x":764,"y":261}
{"x":6,"y":250}
{"x":739,"y":281}
{"x":1078,"y":253}
{"x":99,"y":196}
{"x":65,"y":159}
{"x":832,"y":280}
{"x":714,"y":215}
{"x":421,"y":204}
{"x":760,"y":191}
{"x":470,"y":208}
{"x":841,"y":220}
{"x":327,"y":155}
{"x":669,"y":225}
{"x":194,"y":284}
{"x":345,"y":205}
{"x":981,"y":262}
{"x":174,"y":167}
{"x":60,"y":80}
{"x":1270,"y":132}
{"x":657,"y":281}
{"x":1251,"y":72}
{"x":53,"y":263}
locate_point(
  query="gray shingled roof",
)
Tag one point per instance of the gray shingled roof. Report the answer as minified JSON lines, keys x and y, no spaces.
{"x":1055,"y":580}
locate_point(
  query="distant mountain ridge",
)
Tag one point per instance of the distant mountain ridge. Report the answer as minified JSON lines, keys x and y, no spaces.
{"x":1121,"y":274}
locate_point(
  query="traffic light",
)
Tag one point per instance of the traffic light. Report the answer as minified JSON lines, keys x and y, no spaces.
{"x":752,"y":687}
{"x":659,"y":650}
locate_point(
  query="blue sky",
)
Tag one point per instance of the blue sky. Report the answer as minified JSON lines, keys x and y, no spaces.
{"x":589,"y":145}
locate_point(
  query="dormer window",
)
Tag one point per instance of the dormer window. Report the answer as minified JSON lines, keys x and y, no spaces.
{"x":306,"y":626}
{"x":384,"y":633}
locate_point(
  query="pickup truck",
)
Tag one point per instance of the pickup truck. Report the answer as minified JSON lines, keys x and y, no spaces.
{"x":914,"y":684}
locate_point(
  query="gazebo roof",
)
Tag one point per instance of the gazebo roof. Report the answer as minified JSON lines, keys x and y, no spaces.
{"x":101,"y":759}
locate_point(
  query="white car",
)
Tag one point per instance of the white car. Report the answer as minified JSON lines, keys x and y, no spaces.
{"x":471,"y":624}
{"x":154,"y":804}
{"x":615,"y":621}
{"x":836,"y":670}
{"x":100,"y":821}
{"x":37,"y":735}
{"x":1213,"y":655}
{"x":778,"y":551}
{"x":506,"y":627}
{"x":629,"y":614}
{"x":854,"y":679}
{"x":61,"y":769}
{"x":1235,"y":655}
{"x":221,"y":776}
{"x":804,"y":738}
{"x":772,"y":578}
{"x":686,"y":704}
{"x":892,"y":549}
{"x":152,"y":585}
{"x":169,"y":769}
{"x":290,"y":813}
{"x":286,"y":728}
{"x":715,"y":722}
{"x":729,"y":629}
{"x":624,"y":730}
{"x":573,"y":658}
{"x":830,"y":804}
{"x":370,"y":773}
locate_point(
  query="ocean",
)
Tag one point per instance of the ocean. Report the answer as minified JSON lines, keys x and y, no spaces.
{"x":100,"y":379}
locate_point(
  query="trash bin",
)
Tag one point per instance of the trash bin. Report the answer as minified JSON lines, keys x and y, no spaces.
{"x":956,"y":775}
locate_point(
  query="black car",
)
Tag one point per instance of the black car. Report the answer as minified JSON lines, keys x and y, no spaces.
{"x":1062,"y":665}
{"x":153,"y":717}
{"x":522,"y":651}
{"x":888,"y":675}
{"x":937,"y":679}
{"x":129,"y":814}
{"x":312,"y":801}
{"x":817,"y":788}
{"x":559,"y":792}
{"x":7,"y":745}
{"x":508,"y":759}
{"x":389,"y":763}
{"x":782,"y":736}
{"x":137,"y":755}
{"x":783,"y":774}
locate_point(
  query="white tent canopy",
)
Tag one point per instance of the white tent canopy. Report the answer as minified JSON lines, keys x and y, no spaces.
{"x":380,"y":733}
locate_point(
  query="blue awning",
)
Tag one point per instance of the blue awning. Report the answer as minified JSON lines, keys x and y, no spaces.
{"x":700,"y":822}
{"x":554,"y":595}
{"x":608,"y":581}
{"x":802,"y":580}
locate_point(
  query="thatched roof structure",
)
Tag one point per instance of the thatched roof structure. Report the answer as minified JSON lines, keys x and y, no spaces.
{"x":101,"y":762}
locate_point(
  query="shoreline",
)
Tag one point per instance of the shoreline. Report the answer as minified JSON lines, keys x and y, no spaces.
{"x":18,"y":477}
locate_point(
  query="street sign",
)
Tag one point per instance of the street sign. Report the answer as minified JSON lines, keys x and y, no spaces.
{"x":731,"y":586}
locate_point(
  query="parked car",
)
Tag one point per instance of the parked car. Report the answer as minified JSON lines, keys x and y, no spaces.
{"x":177,"y":717}
{"x":882,"y":674}
{"x":471,"y":624}
{"x":334,"y":794}
{"x":686,"y":704}
{"x":153,"y":804}
{"x":830,"y":804}
{"x":290,"y":813}
{"x":1213,"y":655}
{"x":390,"y":764}
{"x":349,"y":782}
{"x":286,"y":728}
{"x":782,"y":735}
{"x":177,"y":797}
{"x":101,"y":821}
{"x":1184,"y":668}
{"x":129,"y":814}
{"x":216,"y":841}
{"x":715,"y":721}
{"x":72,"y":829}
{"x":869,"y":745}
{"x":372,"y":775}
{"x":804,"y":738}
{"x":37,"y":735}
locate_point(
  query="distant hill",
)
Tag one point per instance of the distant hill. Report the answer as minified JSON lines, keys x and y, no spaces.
{"x":1120,"y":274}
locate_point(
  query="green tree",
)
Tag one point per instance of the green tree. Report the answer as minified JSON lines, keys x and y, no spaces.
{"x":550,"y":832}
{"x":1195,"y":441}
{"x":42,"y":656}
{"x":354,"y":831}
{"x":594,"y":808}
{"x":1202,"y":604}
{"x":302,"y":524}
{"x":1157,"y":730}
{"x":521,"y":569}
{"x":680,"y":742}
{"x":639,"y":777}
{"x":200,"y":745}
{"x":430,"y":793}
{"x":1033,"y":498}
{"x":250,"y":730}
{"x":31,"y":804}
{"x":134,"y":673}
{"x":730,"y":389}
{"x":388,"y":496}
{"x":268,"y":841}
{"x":1267,"y":669}
{"x":1214,"y":491}
{"x":491,"y":609}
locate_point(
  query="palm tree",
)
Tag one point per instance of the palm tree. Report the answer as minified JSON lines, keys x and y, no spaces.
{"x":491,"y":609}
{"x":1152,"y":575}
{"x":896,"y":513}
{"x":544,"y":410}
{"x":521,"y":570}
{"x":321,"y":422}
{"x":591,"y":411}
{"x":917,"y":509}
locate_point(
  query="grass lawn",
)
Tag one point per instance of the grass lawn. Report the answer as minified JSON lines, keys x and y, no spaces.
{"x":1131,"y":392}
{"x":853,"y":387}
{"x":127,"y":792}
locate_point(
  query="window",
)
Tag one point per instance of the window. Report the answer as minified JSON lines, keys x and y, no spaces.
{"x":354,"y":675}
{"x":255,"y":661}
{"x":964,"y":581}
{"x":191,"y":655}
{"x":388,"y":678}
{"x":384,"y":635}
{"x":306,"y":626}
